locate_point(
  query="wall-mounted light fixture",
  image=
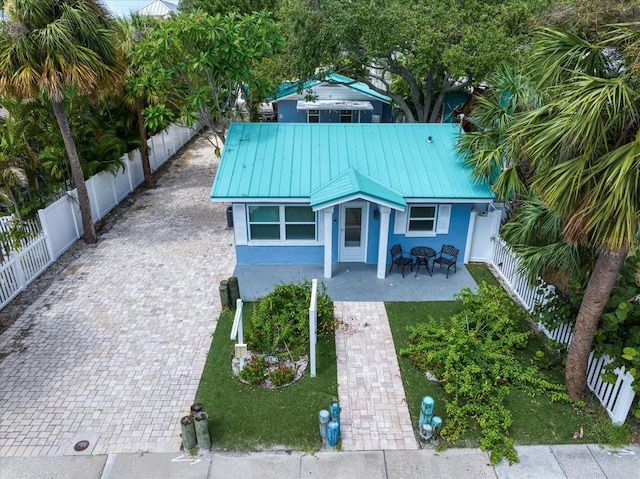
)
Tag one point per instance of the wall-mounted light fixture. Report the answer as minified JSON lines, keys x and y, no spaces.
{"x":376,"y":214}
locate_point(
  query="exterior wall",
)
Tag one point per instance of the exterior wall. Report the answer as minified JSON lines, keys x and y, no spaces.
{"x":288,"y":113}
{"x":456,"y":236}
{"x":280,"y":254}
{"x":314,"y":254}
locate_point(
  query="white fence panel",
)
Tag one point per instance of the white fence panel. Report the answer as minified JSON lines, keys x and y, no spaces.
{"x":62,"y":223}
{"x":102,"y":194}
{"x":134,"y":168}
{"x":59,"y":223}
{"x":485,"y":228}
{"x":9,"y":284}
{"x":617,"y":397}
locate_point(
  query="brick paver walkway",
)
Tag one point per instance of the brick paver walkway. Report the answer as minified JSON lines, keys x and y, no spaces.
{"x":114,"y":350}
{"x":374,"y":409}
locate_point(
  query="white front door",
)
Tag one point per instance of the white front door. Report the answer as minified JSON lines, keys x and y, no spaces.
{"x":353,"y":233}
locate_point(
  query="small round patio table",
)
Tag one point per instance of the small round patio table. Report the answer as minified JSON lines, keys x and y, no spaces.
{"x":423,"y":254}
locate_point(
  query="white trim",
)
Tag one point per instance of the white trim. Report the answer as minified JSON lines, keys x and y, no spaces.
{"x":422,"y":233}
{"x":283,"y":225}
{"x":256,"y":201}
{"x":447,"y":200}
{"x":358,"y":197}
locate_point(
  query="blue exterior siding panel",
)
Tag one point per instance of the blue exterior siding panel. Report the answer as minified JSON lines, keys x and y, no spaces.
{"x":280,"y":254}
{"x":457,"y":235}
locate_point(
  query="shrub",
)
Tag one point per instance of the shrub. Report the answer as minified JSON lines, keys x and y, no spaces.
{"x":473,"y":356}
{"x":280,"y":320}
{"x":254,"y":370}
{"x":282,"y":375}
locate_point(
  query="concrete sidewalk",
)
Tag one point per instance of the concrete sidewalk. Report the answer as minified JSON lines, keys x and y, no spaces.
{"x":544,"y":462}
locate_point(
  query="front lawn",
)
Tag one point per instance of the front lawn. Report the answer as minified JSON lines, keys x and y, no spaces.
{"x":536,"y":420}
{"x":243,"y":417}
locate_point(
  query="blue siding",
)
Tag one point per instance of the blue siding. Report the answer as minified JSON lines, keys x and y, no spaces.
{"x":374,"y":234}
{"x":280,"y":254}
{"x":457,"y":236}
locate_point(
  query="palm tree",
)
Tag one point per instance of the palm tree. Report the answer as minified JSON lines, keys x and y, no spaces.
{"x":47,"y":46}
{"x":584,"y":143}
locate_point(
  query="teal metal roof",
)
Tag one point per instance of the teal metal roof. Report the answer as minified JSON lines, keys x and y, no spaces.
{"x":353,"y":183}
{"x":290,"y":88}
{"x":386,"y":161}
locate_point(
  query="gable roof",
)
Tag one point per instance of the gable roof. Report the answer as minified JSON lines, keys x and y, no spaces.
{"x":291,"y":88}
{"x":326,"y":163}
{"x":158,"y":8}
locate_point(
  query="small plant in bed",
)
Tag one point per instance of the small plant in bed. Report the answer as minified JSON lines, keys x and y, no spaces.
{"x":254,"y":370}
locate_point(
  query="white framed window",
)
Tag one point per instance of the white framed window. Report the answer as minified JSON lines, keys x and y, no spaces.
{"x":313,"y":116}
{"x":282,"y":223}
{"x":423,"y":220}
{"x":346,"y":116}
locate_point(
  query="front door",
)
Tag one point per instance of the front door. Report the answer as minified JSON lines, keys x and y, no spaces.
{"x":353,"y":233}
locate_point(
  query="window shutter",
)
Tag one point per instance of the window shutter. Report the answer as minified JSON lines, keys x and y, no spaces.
{"x":240,"y":223}
{"x":400,"y":223}
{"x":444,"y":215}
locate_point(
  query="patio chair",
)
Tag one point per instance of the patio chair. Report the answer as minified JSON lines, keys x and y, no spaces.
{"x":448,"y":256}
{"x":400,"y":258}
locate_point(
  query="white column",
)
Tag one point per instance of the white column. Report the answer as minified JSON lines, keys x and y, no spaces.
{"x":327,"y":217}
{"x":383,"y":241}
{"x":470,"y":234}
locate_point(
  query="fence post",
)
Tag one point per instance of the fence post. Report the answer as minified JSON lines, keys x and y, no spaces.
{"x":45,"y":230}
{"x":20,"y":276}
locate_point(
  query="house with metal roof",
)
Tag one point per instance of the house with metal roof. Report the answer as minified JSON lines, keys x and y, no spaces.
{"x":334,"y":98}
{"x":329,"y":193}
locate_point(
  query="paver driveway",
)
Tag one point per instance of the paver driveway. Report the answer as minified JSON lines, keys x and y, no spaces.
{"x":113,"y":351}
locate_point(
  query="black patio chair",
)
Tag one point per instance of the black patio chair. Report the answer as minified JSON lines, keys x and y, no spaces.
{"x":400,"y":258}
{"x":448,"y":256}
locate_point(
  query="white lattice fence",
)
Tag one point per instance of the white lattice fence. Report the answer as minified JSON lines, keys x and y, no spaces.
{"x":616,"y":397}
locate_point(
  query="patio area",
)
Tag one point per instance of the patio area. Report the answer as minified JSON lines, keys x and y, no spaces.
{"x":356,"y":282}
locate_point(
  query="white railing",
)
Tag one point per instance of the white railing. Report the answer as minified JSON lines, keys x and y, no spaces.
{"x":616,"y":397}
{"x":61,"y":221}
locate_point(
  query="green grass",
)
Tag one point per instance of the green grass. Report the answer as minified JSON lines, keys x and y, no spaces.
{"x":242,"y":417}
{"x":535,"y":420}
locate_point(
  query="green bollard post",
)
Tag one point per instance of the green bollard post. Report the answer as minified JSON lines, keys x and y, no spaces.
{"x":234,"y":291}
{"x":188,"y":433}
{"x":202,"y":430}
{"x":225,"y":300}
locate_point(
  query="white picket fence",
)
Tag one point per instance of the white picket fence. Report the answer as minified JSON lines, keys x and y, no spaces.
{"x":61,"y":224}
{"x":615,"y":397}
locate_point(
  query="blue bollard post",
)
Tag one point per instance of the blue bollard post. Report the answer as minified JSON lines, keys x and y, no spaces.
{"x":333,"y":433}
{"x":323,"y":420}
{"x":334,"y":409}
{"x":426,"y":411}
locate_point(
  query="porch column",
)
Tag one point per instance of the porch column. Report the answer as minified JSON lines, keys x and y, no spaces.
{"x":327,"y":218}
{"x":383,"y":241}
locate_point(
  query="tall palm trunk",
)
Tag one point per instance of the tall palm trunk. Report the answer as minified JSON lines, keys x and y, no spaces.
{"x":144,"y":147}
{"x":601,"y":283}
{"x":76,"y":171}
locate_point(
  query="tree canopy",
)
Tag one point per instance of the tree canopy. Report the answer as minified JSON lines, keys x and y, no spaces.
{"x":419,"y":50}
{"x":196,"y":66}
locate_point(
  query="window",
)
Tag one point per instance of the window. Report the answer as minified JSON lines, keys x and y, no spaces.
{"x":282,"y":223}
{"x":313,"y":116}
{"x":422,"y":219}
{"x":346,"y":116}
